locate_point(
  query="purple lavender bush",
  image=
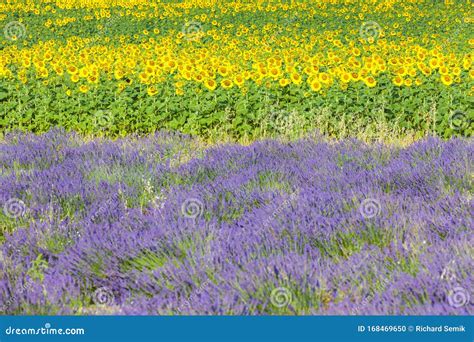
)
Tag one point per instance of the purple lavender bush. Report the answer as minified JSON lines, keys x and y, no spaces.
{"x":157,"y":225}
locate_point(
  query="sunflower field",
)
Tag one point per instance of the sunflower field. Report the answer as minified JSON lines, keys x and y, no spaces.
{"x":239,"y":70}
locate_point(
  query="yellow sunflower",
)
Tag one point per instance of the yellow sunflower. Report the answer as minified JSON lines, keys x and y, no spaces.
{"x":210,"y":84}
{"x":345,"y":77}
{"x":315,"y":85}
{"x":226,"y":83}
{"x":398,"y":81}
{"x":239,"y":80}
{"x":152,"y":91}
{"x":284,"y":82}
{"x":447,"y":80}
{"x":83,"y":88}
{"x":370,"y":82}
{"x":296,"y":78}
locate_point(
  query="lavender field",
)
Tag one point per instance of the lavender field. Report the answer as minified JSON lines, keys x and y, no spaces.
{"x":163,"y":225}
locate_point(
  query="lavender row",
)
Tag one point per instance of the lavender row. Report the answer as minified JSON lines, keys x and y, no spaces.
{"x":160,"y":225}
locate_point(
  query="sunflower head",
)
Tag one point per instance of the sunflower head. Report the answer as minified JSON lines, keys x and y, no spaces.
{"x":210,"y":84}
{"x":152,"y":91}
{"x":226,"y":83}
{"x":447,"y":80}
{"x":315,"y":85}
